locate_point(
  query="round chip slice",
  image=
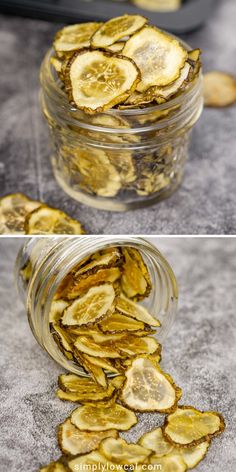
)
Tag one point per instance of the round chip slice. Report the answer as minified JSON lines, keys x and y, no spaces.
{"x":93,"y":306}
{"x":148,"y":388}
{"x":97,"y":80}
{"x":219,"y":89}
{"x":46,"y":220}
{"x":135,"y":280}
{"x":156,"y":442}
{"x":74,"y":37}
{"x":56,"y":310}
{"x":155,"y":93}
{"x":72,"y":441}
{"x":138,"y":312}
{"x":170,"y":463}
{"x":118,"y":323}
{"x":89,"y":418}
{"x":159,"y":57}
{"x":117,"y":28}
{"x":13,"y":211}
{"x":158,"y":5}
{"x":88,"y":346}
{"x":193,"y":455}
{"x":92,"y":461}
{"x":188,"y":427}
{"x":116,"y":47}
{"x":121,"y":452}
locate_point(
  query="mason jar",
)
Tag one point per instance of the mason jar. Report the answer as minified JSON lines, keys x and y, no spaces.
{"x":120,"y":159}
{"x":43,"y":263}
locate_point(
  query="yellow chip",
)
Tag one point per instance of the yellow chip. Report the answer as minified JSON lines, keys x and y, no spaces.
{"x":155,"y":441}
{"x":74,"y":37}
{"x":116,"y":47}
{"x":56,"y":310}
{"x":89,"y":418}
{"x":219,"y":89}
{"x":170,"y":463}
{"x":105,"y":260}
{"x":13,"y":211}
{"x":193,"y":455}
{"x":132,"y":345}
{"x":101,"y":362}
{"x":54,"y":467}
{"x":88,"y":346}
{"x":148,"y":388}
{"x":63,"y":337}
{"x":72,"y":441}
{"x":188,"y":427}
{"x":93,"y":306}
{"x":79,"y":285}
{"x":46,"y":220}
{"x":159,"y":57}
{"x":121,"y":452}
{"x":133,"y":310}
{"x":92,"y":461}
{"x":98,"y":80}
{"x":116,"y":323}
{"x":158,"y":5}
{"x":95,"y":371}
{"x":117,"y":28}
{"x":157,"y":93}
{"x":135,"y":280}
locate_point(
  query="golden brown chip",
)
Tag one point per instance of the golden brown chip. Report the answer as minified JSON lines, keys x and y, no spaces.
{"x":64,"y":338}
{"x":173,"y":462}
{"x":55,"y":467}
{"x":189,"y":427}
{"x":156,"y":93}
{"x":133,"y":310}
{"x":121,"y":452}
{"x":100,"y":261}
{"x":158,"y":5}
{"x":219,"y":89}
{"x":97,"y":303}
{"x":72,"y":441}
{"x":98,"y":80}
{"x":159,"y":57}
{"x":116,"y":47}
{"x":88,"y":346}
{"x":117,"y":323}
{"x":117,"y":28}
{"x":13,"y":211}
{"x":56,"y":310}
{"x":148,"y":388}
{"x":135,"y":280}
{"x":94,"y":460}
{"x":95,"y":371}
{"x":82,"y":385}
{"x":81,"y":284}
{"x":155,"y":441}
{"x":132,"y":345}
{"x":89,"y":418}
{"x":193,"y":455}
{"x":46,"y":220}
{"x":101,"y":362}
{"x":73,"y":37}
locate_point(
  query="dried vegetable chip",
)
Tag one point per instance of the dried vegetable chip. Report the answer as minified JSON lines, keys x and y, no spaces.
{"x":56,"y":311}
{"x":133,"y":310}
{"x":74,"y":37}
{"x":193,"y":455}
{"x":97,"y":303}
{"x":159,"y":57}
{"x":55,"y":467}
{"x":135,"y":280}
{"x":117,"y":28}
{"x":46,"y":220}
{"x":13,"y":210}
{"x":155,"y":441}
{"x":170,"y":463}
{"x":148,"y":388}
{"x":98,"y":80}
{"x":94,"y":460}
{"x":219,"y":89}
{"x":116,"y":323}
{"x":158,"y":5}
{"x":81,"y":284}
{"x":89,"y":418}
{"x":121,"y":452}
{"x":190,"y":427}
{"x":116,"y":47}
{"x":90,"y":347}
{"x":72,"y":441}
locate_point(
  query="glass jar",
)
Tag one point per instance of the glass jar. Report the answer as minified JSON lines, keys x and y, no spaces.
{"x":120,"y":159}
{"x":42,"y":264}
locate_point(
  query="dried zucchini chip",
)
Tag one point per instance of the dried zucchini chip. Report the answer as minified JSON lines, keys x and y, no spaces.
{"x":88,"y":418}
{"x":101,"y":362}
{"x":193,"y":455}
{"x":102,"y":261}
{"x":55,"y":467}
{"x":170,"y":463}
{"x":46,"y":220}
{"x":138,"y":312}
{"x":132,"y":345}
{"x":100,"y":337}
{"x":97,"y":80}
{"x":72,"y":441}
{"x":83,"y":283}
{"x":194,"y":55}
{"x":152,"y":183}
{"x":88,"y":346}
{"x":159,"y":57}
{"x":118,"y":323}
{"x":189,"y":427}
{"x":158,"y":5}
{"x":219,"y":89}
{"x":117,"y":28}
{"x":135,"y":280}
{"x":56,"y":63}
{"x":64,"y":338}
{"x":97,"y":303}
{"x":121,"y":452}
{"x":74,"y":384}
{"x":118,"y":381}
{"x":74,"y":37}
{"x":156,"y":442}
{"x":13,"y":210}
{"x":98,"y":175}
{"x":95,"y":371}
{"x":69,"y":396}
{"x":155,"y":93}
{"x":56,"y":310}
{"x":116,"y":47}
{"x":92,"y":461}
{"x":148,"y":388}
{"x":125,"y":166}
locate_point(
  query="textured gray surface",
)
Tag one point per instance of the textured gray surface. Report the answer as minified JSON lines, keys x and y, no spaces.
{"x":206,"y":201}
{"x":200,"y":353}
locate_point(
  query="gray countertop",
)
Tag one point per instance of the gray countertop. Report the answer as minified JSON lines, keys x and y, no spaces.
{"x":206,"y":201}
{"x":200,"y":353}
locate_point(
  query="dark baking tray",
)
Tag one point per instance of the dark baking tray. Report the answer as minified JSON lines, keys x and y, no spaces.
{"x":190,"y":16}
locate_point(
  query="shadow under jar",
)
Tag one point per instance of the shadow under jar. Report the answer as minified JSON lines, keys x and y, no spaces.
{"x":43,"y":263}
{"x":120,"y":159}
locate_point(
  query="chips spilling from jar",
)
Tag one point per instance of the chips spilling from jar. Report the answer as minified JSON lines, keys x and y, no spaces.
{"x":108,"y":334}
{"x":21,"y":215}
{"x":123,"y":62}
